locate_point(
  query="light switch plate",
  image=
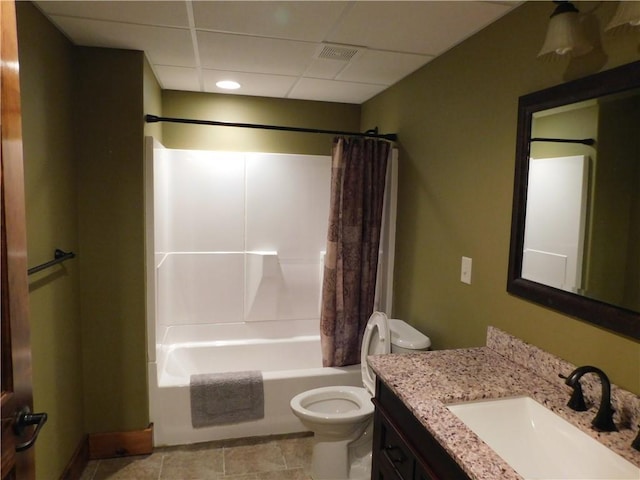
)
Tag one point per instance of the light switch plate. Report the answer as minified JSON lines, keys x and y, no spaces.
{"x":465,"y":270}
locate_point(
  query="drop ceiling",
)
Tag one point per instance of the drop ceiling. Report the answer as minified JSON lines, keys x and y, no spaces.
{"x":330,"y":51}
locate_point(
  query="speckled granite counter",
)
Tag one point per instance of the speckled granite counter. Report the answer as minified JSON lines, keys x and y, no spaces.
{"x":428,"y":381}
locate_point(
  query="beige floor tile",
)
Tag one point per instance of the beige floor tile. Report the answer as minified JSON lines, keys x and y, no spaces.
{"x":191,"y":463}
{"x":250,"y":476}
{"x":261,"y":458}
{"x":297,"y":451}
{"x":254,"y":458}
{"x":293,"y":474}
{"x":129,"y":468}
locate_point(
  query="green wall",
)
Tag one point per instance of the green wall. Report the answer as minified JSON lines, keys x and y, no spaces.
{"x":152,"y":101}
{"x":83,"y":144}
{"x":46,"y":75}
{"x":108,"y":102}
{"x":456,"y":120}
{"x":260,"y":110}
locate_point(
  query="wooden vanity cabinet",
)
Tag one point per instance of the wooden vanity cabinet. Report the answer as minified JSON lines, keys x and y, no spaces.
{"x":402,"y":448}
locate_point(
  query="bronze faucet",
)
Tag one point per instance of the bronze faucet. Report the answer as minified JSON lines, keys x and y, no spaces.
{"x":603,"y":421}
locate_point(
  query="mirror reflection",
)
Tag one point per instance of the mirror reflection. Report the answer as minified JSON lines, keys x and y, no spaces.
{"x":582,"y":218}
{"x":575,"y":230}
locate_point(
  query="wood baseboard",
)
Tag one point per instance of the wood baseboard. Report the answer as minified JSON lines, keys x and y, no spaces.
{"x":78,"y":462}
{"x":121,"y":444}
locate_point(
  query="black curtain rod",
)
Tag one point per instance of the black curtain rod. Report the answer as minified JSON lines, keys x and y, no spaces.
{"x":369,"y":133}
{"x":583,"y":141}
{"x":59,"y":256}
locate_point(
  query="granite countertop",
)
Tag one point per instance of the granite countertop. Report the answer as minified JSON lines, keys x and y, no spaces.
{"x":428,"y":381}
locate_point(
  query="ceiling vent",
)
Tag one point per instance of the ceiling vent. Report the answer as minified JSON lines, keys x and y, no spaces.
{"x":342,"y":53}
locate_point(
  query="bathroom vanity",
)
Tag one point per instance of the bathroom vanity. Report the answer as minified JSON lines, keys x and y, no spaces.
{"x":402,"y":448}
{"x":416,"y":437}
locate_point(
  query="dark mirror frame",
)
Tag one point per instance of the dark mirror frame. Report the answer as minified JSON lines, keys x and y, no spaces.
{"x":620,"y":320}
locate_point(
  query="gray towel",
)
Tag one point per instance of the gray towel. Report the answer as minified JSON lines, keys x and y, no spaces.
{"x":230,"y":397}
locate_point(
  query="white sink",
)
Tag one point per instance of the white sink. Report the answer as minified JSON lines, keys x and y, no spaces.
{"x":538,"y":444}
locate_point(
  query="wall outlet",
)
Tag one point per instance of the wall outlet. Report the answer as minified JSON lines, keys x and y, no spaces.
{"x":465,"y":270}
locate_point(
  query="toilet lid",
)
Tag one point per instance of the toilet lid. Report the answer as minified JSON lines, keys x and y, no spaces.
{"x":376,"y":340}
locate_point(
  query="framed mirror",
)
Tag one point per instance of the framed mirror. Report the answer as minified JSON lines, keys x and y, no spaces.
{"x":575,"y":229}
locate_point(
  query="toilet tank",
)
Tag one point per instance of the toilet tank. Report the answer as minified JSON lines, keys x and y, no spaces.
{"x":406,"y":339}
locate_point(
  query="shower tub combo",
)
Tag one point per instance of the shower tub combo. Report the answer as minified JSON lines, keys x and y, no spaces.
{"x":288,"y":356}
{"x":234,"y":255}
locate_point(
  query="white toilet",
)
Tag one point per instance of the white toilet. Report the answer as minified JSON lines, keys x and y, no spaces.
{"x":341,"y":417}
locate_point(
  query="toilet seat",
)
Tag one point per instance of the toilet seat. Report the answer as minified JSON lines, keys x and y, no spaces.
{"x":335,"y":404}
{"x":376,"y":341}
{"x":327,"y":400}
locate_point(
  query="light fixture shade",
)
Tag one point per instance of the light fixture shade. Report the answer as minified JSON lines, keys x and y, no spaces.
{"x":565,"y":35}
{"x":627,"y":16}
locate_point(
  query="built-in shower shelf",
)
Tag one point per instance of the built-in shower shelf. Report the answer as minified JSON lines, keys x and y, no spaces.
{"x":262,"y":274}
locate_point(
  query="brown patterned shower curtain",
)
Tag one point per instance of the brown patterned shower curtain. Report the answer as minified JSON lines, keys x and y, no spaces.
{"x":358,"y":174}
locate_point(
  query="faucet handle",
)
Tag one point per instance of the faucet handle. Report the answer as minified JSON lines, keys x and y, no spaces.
{"x":576,"y":402}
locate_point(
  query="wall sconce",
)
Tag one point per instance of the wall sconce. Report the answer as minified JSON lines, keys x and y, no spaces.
{"x":565,"y":35}
{"x":627,"y":16}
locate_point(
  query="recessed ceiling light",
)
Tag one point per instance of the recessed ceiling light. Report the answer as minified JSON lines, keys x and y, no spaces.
{"x":228,"y":84}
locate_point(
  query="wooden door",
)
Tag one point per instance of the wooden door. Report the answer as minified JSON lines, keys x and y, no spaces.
{"x":16,"y":395}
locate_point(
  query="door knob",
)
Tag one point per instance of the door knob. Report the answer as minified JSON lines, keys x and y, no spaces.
{"x":24,"y":419}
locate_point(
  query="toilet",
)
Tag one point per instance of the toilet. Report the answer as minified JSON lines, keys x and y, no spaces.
{"x":341,"y":417}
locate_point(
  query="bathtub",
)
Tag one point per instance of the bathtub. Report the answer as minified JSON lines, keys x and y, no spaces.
{"x":290,"y":364}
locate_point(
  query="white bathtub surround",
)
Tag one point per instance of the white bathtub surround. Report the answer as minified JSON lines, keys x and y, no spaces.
{"x":239,"y":235}
{"x":262,"y":277}
{"x":234,"y":255}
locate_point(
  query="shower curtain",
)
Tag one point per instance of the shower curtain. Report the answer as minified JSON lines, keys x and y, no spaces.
{"x":358,"y":174}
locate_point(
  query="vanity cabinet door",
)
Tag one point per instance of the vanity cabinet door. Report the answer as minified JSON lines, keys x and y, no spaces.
{"x":402,"y":446}
{"x":421,"y":473}
{"x":394,"y":452}
{"x":385,"y":472}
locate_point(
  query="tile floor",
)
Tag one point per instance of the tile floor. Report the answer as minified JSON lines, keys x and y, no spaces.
{"x":286,"y":457}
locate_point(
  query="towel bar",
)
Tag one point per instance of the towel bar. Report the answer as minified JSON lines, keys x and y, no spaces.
{"x":59,"y":256}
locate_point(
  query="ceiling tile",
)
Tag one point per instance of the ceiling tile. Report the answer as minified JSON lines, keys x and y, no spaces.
{"x":178,"y":78}
{"x":427,"y":28}
{"x":252,"y":83}
{"x":262,"y":55}
{"x":190,"y":42}
{"x":166,"y":46}
{"x":334,"y":91}
{"x":325,"y":68}
{"x":383,"y":68}
{"x":310,"y":21}
{"x":141,"y":12}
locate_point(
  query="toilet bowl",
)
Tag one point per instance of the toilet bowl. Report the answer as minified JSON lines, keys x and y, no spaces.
{"x":341,"y":417}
